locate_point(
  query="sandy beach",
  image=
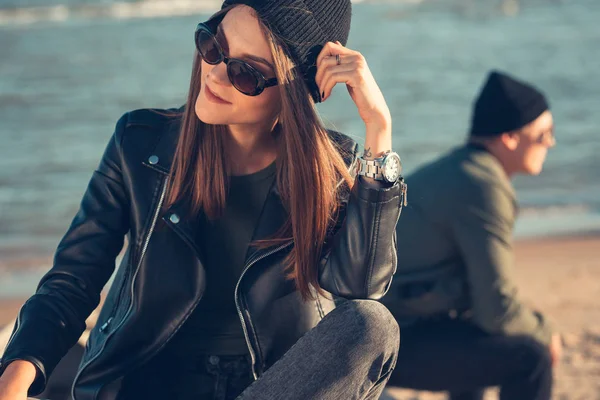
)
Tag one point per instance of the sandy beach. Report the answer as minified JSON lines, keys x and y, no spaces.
{"x":561,"y":277}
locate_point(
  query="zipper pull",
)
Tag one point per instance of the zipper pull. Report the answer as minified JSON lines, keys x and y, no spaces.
{"x":404,"y":194}
{"x":105,"y":326}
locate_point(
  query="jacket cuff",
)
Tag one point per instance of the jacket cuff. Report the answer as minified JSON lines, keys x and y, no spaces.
{"x":39,"y":383}
{"x":36,"y":322}
{"x":382,"y":193}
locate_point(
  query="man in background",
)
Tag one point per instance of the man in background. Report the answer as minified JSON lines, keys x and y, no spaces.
{"x":463,"y":326}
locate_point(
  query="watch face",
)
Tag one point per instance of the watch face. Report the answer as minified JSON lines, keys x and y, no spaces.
{"x":392,"y":167}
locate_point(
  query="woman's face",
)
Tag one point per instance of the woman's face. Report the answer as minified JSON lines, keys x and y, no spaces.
{"x":219,"y":102}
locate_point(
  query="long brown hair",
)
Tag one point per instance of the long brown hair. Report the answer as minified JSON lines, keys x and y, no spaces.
{"x":310,"y":169}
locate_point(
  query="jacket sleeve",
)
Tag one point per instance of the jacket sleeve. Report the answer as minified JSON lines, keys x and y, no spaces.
{"x":361,"y":259}
{"x":482,"y":228}
{"x":53,"y":319}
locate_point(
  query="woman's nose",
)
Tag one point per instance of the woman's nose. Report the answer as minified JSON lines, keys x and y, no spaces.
{"x":218,"y":74}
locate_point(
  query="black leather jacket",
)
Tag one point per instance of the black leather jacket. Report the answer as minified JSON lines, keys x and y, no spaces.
{"x":161,"y":279}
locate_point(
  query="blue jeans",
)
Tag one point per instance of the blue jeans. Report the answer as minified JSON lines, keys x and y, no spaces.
{"x":349,"y":355}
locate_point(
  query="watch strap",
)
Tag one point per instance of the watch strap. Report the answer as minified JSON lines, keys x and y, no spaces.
{"x":370,"y":168}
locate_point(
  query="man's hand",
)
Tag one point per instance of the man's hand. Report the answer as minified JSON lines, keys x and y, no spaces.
{"x":556,"y":348}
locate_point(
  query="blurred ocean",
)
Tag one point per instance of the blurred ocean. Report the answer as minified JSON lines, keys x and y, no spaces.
{"x":70,"y":68}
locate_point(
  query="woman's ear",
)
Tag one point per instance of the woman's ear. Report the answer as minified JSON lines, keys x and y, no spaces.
{"x":511,"y":140}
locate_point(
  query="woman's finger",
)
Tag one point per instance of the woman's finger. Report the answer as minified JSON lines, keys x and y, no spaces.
{"x":331,"y":49}
{"x":332,"y":62}
{"x":326,"y":62}
{"x":326,"y":51}
{"x":344,"y":74}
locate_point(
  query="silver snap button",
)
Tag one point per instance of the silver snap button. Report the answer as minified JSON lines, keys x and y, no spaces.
{"x":214,"y":360}
{"x":174,"y":218}
{"x":153,"y":160}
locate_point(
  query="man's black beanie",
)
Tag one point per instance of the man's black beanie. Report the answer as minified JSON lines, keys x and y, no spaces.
{"x":505,"y":104}
{"x":305,"y":26}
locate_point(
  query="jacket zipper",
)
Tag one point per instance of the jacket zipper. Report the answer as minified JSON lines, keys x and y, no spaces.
{"x":105,"y":325}
{"x":122,"y":289}
{"x":239,"y":309}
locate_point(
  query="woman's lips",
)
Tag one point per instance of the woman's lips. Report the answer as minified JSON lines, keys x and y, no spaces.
{"x":212,"y":97}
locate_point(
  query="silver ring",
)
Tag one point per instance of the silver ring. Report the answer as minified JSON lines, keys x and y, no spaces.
{"x":338,"y":59}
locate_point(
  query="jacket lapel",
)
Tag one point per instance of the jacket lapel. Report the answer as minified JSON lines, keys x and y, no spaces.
{"x":161,"y":157}
{"x":272,"y":218}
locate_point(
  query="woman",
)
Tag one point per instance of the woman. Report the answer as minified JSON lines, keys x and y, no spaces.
{"x":241,"y":214}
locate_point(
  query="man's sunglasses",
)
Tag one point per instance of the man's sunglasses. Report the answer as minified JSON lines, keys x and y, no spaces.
{"x":243,"y":76}
{"x":546,"y":137}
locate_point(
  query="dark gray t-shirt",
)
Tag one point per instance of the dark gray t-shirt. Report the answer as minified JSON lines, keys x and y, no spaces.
{"x":214,"y":327}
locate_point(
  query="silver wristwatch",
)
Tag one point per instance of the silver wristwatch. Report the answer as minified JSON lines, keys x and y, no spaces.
{"x":387,"y":168}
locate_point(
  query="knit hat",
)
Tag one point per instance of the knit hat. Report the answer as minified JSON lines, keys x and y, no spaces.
{"x":505,"y":104}
{"x":305,"y":26}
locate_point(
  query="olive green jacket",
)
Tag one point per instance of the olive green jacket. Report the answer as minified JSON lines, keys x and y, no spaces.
{"x":460,"y":217}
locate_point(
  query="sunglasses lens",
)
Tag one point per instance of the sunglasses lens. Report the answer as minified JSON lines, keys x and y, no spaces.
{"x":208,"y":48}
{"x":243,"y":78}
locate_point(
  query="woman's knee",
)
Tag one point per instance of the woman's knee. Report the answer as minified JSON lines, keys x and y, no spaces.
{"x":371,"y":324}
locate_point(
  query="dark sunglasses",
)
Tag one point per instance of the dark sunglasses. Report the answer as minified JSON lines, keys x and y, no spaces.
{"x":243,"y":76}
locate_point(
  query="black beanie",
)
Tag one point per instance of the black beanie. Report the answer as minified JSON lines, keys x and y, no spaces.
{"x":505,"y":104}
{"x":305,"y":26}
